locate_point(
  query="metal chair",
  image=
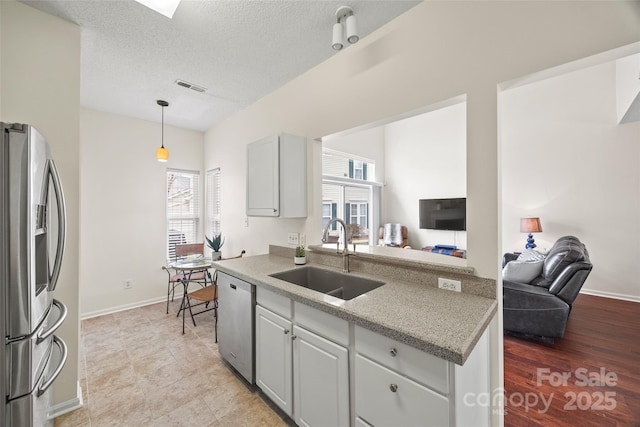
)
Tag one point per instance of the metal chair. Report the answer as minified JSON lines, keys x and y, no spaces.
{"x":207,"y":296}
{"x":175,"y":278}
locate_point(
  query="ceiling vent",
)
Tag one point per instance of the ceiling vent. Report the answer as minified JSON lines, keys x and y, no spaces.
{"x":190,"y":86}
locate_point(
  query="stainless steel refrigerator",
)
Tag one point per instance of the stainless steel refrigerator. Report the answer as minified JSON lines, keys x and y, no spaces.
{"x":32,"y":236}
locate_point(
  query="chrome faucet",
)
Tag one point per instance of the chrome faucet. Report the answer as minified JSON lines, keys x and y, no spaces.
{"x":345,"y":250}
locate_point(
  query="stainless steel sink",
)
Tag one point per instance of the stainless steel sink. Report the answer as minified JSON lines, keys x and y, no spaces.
{"x":340,"y":285}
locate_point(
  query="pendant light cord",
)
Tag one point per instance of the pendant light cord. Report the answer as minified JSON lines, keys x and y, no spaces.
{"x":162,"y":138}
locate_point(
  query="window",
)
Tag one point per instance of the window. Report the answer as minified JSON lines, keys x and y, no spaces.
{"x":357,"y":169}
{"x":329,"y":210}
{"x":350,"y":193}
{"x":183,"y":208}
{"x":213,"y":203}
{"x":358,"y":214}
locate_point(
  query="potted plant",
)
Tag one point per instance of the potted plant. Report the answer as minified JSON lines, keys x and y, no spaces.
{"x":215,"y":244}
{"x":300,"y":258}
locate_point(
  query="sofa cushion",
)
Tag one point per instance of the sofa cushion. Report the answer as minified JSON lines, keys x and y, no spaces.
{"x":531,"y":255}
{"x":522,"y":271}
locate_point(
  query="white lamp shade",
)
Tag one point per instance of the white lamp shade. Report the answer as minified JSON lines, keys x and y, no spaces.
{"x":352,"y":30}
{"x":338,"y":42}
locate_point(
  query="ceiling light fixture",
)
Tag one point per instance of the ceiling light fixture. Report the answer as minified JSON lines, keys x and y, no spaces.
{"x":344,"y":16}
{"x":162,"y":154}
{"x":163,"y":7}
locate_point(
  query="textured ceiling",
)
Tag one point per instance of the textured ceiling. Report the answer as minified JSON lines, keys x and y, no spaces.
{"x":240,"y":50}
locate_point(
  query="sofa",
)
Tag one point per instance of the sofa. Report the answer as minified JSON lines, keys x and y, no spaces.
{"x":539,"y":306}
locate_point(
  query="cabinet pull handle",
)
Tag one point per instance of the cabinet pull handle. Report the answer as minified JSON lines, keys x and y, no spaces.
{"x":393,"y":352}
{"x":286,"y":331}
{"x":293,"y":337}
{"x":275,"y":210}
{"x":393,"y":387}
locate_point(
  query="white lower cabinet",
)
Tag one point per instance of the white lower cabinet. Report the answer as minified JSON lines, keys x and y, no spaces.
{"x":304,"y":373}
{"x":320,"y":380}
{"x":303,"y":366}
{"x":398,"y":385}
{"x":273,"y":358}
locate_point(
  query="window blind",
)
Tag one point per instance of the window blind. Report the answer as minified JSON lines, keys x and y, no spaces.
{"x":183,"y":208}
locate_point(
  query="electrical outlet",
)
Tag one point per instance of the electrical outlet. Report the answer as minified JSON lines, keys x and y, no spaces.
{"x":126,"y":284}
{"x":449,"y":284}
{"x":302,"y":240}
{"x":293,"y":238}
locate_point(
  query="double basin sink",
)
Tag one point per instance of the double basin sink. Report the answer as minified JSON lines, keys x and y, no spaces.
{"x":340,"y":285}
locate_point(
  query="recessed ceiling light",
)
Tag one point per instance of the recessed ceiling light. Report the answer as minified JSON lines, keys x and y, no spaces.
{"x":164,"y":7}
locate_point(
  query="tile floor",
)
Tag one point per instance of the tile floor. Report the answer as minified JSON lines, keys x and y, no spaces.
{"x":137,"y":369}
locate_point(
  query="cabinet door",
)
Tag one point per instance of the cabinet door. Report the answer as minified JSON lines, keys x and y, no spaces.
{"x":263,"y":187}
{"x":320,"y":380}
{"x":273,"y":357}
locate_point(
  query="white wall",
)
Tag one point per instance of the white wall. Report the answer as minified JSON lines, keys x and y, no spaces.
{"x":123,"y":206}
{"x":567,"y":161}
{"x":40,"y":69}
{"x":627,"y":87}
{"x":426,"y":159}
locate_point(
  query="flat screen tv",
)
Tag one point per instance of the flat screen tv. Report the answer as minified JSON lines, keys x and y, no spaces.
{"x":443,"y":214}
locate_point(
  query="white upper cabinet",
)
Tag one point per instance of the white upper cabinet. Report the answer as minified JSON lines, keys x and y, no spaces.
{"x":277,"y":177}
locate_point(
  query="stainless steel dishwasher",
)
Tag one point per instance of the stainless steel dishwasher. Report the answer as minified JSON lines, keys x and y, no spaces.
{"x":236,"y":305}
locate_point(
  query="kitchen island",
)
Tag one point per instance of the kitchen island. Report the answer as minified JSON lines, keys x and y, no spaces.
{"x":428,"y":345}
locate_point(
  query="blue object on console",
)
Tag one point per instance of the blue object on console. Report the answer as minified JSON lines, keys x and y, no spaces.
{"x":449,"y":247}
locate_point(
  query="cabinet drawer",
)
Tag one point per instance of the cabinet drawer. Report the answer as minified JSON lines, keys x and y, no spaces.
{"x":275,"y":302}
{"x":325,"y":324}
{"x":418,"y":365}
{"x":409,"y":405}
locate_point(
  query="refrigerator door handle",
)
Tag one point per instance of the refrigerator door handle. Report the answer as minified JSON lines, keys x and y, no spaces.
{"x":63,"y":359}
{"x":62,"y":221}
{"x":44,"y":334}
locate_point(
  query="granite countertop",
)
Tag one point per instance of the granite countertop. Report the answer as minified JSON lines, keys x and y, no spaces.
{"x":443,"y":323}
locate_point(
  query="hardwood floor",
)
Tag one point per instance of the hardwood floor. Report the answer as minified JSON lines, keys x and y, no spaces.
{"x":599,"y":358}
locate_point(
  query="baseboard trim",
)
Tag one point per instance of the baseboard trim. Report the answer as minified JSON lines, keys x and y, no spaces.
{"x":67,"y":406}
{"x":613,"y":295}
{"x":124,"y":307}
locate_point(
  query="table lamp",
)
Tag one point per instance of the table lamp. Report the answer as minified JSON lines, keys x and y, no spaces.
{"x":530,"y":225}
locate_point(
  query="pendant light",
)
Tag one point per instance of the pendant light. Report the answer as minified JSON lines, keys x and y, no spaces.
{"x":162,"y":154}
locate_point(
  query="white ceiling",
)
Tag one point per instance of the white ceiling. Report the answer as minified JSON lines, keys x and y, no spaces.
{"x":240,"y":50}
